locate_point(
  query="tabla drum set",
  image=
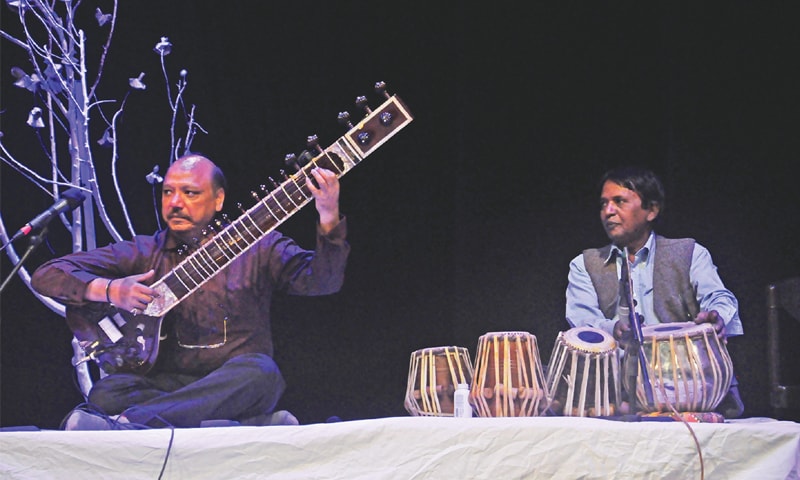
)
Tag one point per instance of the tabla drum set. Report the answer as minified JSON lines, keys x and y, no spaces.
{"x":688,"y":370}
{"x":506,"y":379}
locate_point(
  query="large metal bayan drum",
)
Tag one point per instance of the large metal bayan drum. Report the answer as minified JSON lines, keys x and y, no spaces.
{"x":689,"y":369}
{"x":433,"y":375}
{"x":508,"y":381}
{"x":583,"y":374}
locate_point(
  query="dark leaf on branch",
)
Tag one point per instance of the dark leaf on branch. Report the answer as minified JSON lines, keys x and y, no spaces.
{"x":35,"y":118}
{"x":107,"y":140}
{"x":23,"y":80}
{"x":137,"y":83}
{"x":153,"y":177}
{"x":102,"y":18}
{"x":164,"y":47}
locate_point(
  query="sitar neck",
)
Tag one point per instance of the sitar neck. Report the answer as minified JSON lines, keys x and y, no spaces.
{"x":277,"y":206}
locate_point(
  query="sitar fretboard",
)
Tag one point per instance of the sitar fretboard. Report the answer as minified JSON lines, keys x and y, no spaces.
{"x":277,"y":206}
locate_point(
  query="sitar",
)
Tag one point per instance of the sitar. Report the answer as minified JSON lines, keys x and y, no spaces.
{"x":120,"y":342}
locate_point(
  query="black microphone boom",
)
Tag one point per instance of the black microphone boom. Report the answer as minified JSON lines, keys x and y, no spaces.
{"x":627,"y":305}
{"x":68,"y":201}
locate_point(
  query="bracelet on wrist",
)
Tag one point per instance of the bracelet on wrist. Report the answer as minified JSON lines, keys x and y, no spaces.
{"x":108,"y":292}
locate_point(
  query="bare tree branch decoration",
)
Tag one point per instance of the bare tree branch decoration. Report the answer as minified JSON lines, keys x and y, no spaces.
{"x":64,"y":95}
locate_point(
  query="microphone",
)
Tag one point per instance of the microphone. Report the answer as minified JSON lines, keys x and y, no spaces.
{"x":633,"y":340}
{"x":624,"y":304}
{"x":68,"y":201}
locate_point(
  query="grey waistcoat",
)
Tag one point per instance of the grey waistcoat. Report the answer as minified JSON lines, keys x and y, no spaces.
{"x":674,"y":298}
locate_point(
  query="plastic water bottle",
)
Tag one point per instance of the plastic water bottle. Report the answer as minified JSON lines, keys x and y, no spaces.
{"x":461,"y":401}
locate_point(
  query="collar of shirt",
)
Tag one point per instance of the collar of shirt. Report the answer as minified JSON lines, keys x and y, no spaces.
{"x":169,"y":243}
{"x":641,"y":275}
{"x":642,"y":256}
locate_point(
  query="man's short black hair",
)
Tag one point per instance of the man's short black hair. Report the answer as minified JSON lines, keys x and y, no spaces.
{"x":642,"y":181}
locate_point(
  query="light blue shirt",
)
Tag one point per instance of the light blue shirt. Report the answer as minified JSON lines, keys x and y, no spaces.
{"x":583,"y":307}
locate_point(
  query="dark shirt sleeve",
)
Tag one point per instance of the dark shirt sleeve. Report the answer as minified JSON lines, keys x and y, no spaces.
{"x":65,"y":279}
{"x":318,"y":272}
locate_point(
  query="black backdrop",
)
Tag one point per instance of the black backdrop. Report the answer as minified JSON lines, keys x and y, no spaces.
{"x":466,"y":221}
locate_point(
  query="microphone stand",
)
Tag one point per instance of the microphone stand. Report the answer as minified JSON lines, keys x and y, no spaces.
{"x":10,"y":241}
{"x":636,"y":344}
{"x":35,"y":241}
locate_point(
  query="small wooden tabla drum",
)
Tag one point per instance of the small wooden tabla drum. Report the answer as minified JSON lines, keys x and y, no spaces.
{"x":508,"y":381}
{"x":688,"y":367}
{"x":433,"y":375}
{"x":583,"y":374}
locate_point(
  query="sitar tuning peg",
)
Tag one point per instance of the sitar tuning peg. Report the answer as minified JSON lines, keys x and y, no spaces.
{"x":306,"y":156}
{"x":313,"y":143}
{"x":361,"y":102}
{"x":344,"y":119}
{"x":380,"y":88}
{"x":290,"y":160}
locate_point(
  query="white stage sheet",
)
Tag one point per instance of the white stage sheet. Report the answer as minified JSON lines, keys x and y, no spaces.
{"x":414,"y":448}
